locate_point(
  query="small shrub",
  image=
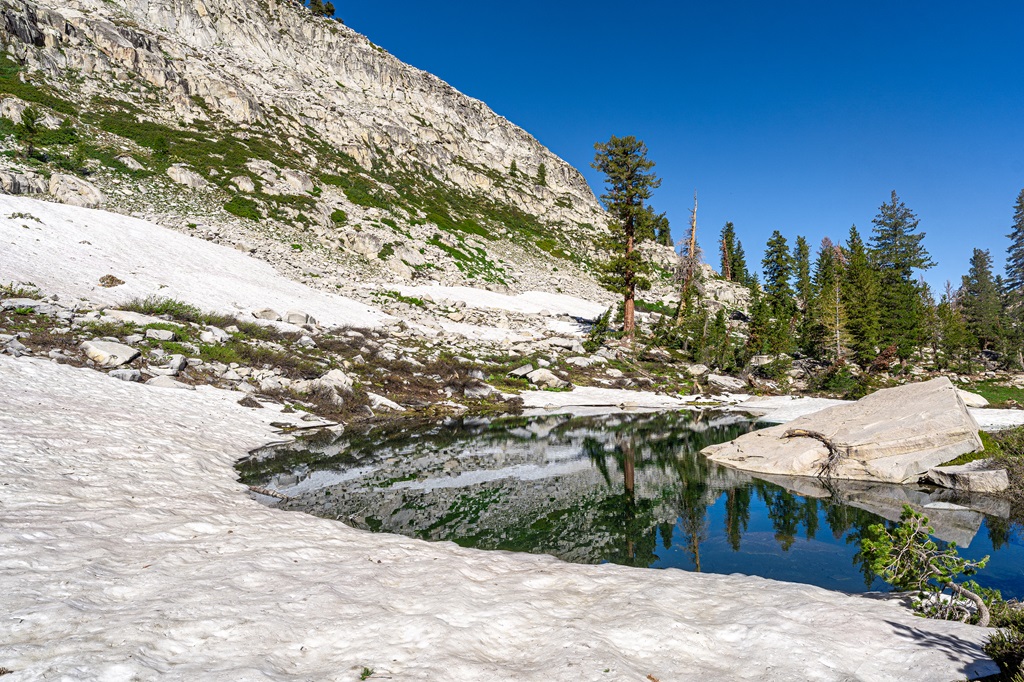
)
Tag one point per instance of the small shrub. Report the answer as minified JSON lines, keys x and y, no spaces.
{"x":243,"y":207}
{"x":110,"y":281}
{"x":1006,"y":648}
{"x":339,"y":217}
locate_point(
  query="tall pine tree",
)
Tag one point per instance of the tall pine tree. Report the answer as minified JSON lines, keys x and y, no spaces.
{"x":802,"y":286}
{"x":629,"y":182}
{"x":860,"y":291}
{"x":778,"y":293}
{"x":981,"y":302}
{"x":828,"y":336}
{"x":897,"y":251}
{"x":1015,"y":252}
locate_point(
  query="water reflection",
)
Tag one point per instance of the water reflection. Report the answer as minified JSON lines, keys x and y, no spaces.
{"x":628,"y":489}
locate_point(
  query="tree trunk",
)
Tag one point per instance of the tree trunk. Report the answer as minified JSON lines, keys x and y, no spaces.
{"x":983,"y":614}
{"x":629,"y":315}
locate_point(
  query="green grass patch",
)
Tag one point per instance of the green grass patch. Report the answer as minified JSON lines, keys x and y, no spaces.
{"x":997,"y":394}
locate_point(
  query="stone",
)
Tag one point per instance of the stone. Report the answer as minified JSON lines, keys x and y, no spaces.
{"x":479,"y":391}
{"x":698,"y":370}
{"x":381,"y":403}
{"x":972,"y":399}
{"x":23,"y":183}
{"x":579,"y":361}
{"x":521,"y":372}
{"x":129,"y":162}
{"x":545,"y":378}
{"x":168,"y":382}
{"x":160,"y":334}
{"x":74,"y":191}
{"x":297,"y":317}
{"x":244,"y":183}
{"x":979,"y":476}
{"x":894,"y":435}
{"x":108,"y":354}
{"x":614,"y":373}
{"x":186,"y":176}
{"x":126,"y":374}
{"x":267,"y":314}
{"x":177,"y":362}
{"x":728,"y":384}
{"x":297,"y":180}
{"x":335,"y":379}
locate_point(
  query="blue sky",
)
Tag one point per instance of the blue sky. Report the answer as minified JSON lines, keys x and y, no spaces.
{"x":793,"y":115}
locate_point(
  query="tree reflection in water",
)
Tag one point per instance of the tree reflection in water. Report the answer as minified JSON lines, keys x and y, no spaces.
{"x":586,"y":489}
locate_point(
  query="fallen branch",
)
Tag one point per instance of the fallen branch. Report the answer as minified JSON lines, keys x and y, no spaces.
{"x":828,"y":467}
{"x":269,"y":493}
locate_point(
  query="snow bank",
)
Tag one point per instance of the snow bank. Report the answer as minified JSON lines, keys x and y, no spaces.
{"x":529,"y":302}
{"x":65,"y":250}
{"x":131,"y":553}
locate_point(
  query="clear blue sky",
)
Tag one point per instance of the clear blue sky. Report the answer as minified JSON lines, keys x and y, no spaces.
{"x":795,"y":115}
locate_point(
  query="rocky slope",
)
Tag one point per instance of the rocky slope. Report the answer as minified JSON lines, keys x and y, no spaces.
{"x":259,"y":123}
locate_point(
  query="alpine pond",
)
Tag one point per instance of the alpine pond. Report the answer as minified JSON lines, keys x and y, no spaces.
{"x":629,"y":488}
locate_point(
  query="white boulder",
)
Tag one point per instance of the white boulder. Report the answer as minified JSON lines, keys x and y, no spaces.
{"x":185,"y":176}
{"x":68,"y":189}
{"x":108,"y":354}
{"x":980,"y":476}
{"x":894,"y":435}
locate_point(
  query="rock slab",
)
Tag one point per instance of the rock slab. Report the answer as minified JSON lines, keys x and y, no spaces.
{"x":980,"y":476}
{"x":894,"y":435}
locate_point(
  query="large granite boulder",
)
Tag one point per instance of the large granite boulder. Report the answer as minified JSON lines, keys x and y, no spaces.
{"x":894,"y":435}
{"x":980,"y":476}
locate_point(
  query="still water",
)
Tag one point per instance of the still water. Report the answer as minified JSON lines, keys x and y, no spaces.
{"x":629,"y":489}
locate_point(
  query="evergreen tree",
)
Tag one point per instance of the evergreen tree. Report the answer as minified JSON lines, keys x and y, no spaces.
{"x":542,"y":174}
{"x":955,"y":341}
{"x":928,"y":334}
{"x":662,"y":230}
{"x":897,"y":251}
{"x":778,"y":270}
{"x":778,"y":294}
{"x":513,"y":169}
{"x":727,"y":242}
{"x":980,"y":301}
{"x":802,"y":285}
{"x":28,"y":130}
{"x":740,"y":273}
{"x":860,"y":293}
{"x":629,"y":183}
{"x":827,"y":328}
{"x":1015,"y":253}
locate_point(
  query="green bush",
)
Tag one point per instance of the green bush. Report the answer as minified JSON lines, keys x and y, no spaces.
{"x":243,"y":207}
{"x":339,"y":217}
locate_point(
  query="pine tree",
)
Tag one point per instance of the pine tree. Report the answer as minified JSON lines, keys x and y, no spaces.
{"x":955,"y":341}
{"x":513,"y":169}
{"x":1015,"y":252}
{"x":542,"y":175}
{"x":860,"y":292}
{"x":778,"y":294}
{"x":980,"y":301}
{"x":778,"y":270}
{"x":897,"y":251}
{"x":827,"y":329}
{"x":740,"y":273}
{"x":727,"y":243}
{"x":28,"y":130}
{"x":629,"y":182}
{"x":662,"y":230}
{"x":802,"y":286}
{"x":928,"y":334}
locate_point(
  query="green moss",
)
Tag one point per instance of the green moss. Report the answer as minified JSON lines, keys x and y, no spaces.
{"x":386,"y":252}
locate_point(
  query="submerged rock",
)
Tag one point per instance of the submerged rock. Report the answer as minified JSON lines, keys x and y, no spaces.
{"x":894,"y":435}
